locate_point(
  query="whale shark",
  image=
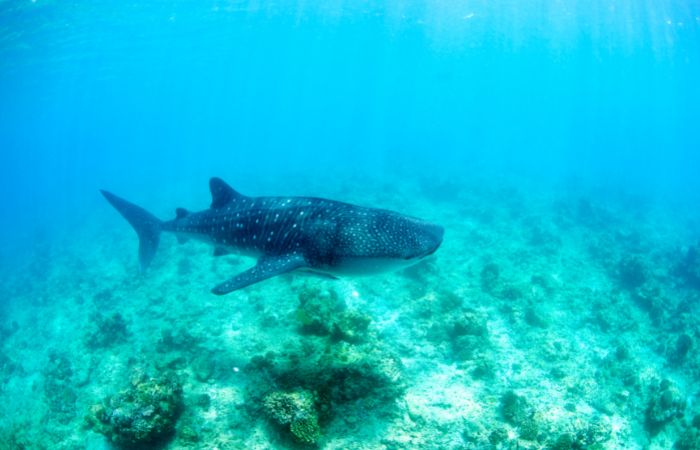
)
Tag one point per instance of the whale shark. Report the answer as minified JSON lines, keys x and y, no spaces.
{"x":285,"y":234}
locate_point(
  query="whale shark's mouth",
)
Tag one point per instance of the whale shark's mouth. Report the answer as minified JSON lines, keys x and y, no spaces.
{"x":431,"y":251}
{"x":425,"y":254}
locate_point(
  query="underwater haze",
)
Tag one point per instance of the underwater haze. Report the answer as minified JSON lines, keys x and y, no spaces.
{"x":556,"y":142}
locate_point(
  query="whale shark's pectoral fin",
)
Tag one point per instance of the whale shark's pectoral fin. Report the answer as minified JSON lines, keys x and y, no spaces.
{"x":267,"y":267}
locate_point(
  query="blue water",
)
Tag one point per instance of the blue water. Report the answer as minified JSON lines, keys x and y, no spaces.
{"x":168,"y":91}
{"x":151,"y":98}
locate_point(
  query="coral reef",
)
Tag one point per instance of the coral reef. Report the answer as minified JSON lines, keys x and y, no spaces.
{"x":144,"y":413}
{"x":204,"y":366}
{"x":563,"y":442}
{"x":666,"y":404}
{"x":341,"y":372}
{"x":180,"y":339}
{"x":515,"y":409}
{"x":324,"y":313}
{"x":348,"y":372}
{"x":593,"y":432}
{"x":689,"y":439}
{"x":678,"y":351}
{"x":287,"y":407}
{"x":317,"y":310}
{"x":688,"y":269}
{"x":465,"y":330}
{"x":58,"y":387}
{"x":318,"y":381}
{"x":8,"y":330}
{"x":19,"y":437}
{"x":351,"y":326}
{"x":106,"y":330}
{"x":296,"y":411}
{"x":493,"y":283}
{"x":631,"y":273}
{"x":490,"y":275}
{"x":306,"y":430}
{"x":8,"y":368}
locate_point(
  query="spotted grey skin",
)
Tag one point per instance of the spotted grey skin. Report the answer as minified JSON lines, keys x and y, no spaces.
{"x":289,"y":233}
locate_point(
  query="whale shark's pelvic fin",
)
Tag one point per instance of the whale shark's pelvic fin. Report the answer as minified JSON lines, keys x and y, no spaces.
{"x":267,"y":267}
{"x":222,"y":193}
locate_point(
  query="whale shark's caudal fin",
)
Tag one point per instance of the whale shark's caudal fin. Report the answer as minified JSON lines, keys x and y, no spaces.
{"x":146,"y":225}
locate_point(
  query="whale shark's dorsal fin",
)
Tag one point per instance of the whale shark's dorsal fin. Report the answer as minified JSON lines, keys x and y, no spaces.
{"x":221,"y":193}
{"x":181,"y":212}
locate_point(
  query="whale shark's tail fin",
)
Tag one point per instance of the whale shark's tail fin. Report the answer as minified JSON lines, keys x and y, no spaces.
{"x":146,"y":225}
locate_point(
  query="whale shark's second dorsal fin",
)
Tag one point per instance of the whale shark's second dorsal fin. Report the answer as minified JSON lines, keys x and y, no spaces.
{"x":221,"y":193}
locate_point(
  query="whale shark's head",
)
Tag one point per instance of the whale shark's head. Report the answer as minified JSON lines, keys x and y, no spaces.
{"x":371,"y":240}
{"x":420,"y":238}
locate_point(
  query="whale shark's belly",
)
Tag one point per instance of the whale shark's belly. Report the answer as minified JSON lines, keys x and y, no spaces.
{"x":358,"y":266}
